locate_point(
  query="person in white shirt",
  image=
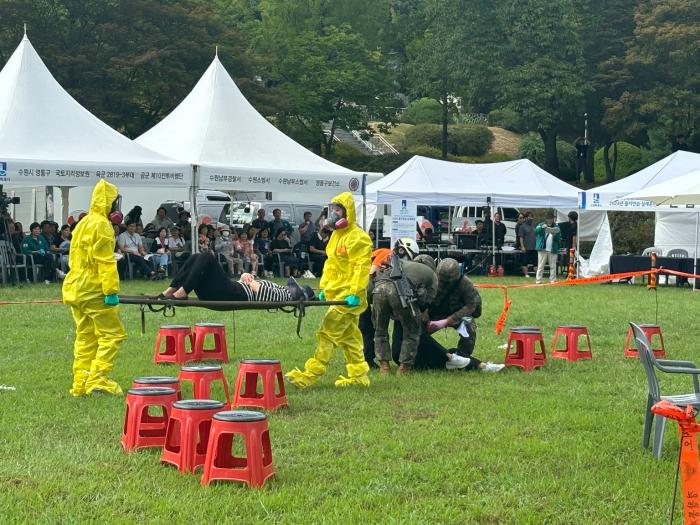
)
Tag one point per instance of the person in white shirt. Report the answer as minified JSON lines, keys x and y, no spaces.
{"x":130,"y":243}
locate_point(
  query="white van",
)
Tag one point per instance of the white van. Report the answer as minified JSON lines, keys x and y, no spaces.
{"x":465,"y":217}
{"x":214,"y":204}
{"x":243,"y":212}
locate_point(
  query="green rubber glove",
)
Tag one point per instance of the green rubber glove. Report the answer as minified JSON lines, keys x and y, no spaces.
{"x":112,"y":299}
{"x":352,"y":300}
{"x":321,"y":296}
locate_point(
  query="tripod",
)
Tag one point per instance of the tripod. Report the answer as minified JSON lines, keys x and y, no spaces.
{"x":8,"y":256}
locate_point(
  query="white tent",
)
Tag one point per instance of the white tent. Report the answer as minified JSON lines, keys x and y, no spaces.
{"x":683,"y":190}
{"x":439,"y":182}
{"x":48,"y":139}
{"x":234,"y":147}
{"x":613,"y":196}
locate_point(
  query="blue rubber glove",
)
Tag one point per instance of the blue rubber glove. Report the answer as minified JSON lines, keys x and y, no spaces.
{"x":352,"y":300}
{"x":42,"y":252}
{"x":112,"y":299}
{"x":321,"y":296}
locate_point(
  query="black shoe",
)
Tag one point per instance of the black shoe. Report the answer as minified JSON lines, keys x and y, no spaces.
{"x":295,"y":290}
{"x":309,"y":294}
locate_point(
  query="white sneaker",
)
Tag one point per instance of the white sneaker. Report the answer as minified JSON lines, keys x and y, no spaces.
{"x":457,"y":362}
{"x":60,"y":273}
{"x":538,"y":282}
{"x":493,"y":367}
{"x":308,"y":275}
{"x":47,"y":283}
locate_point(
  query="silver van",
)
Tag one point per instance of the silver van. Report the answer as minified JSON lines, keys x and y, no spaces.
{"x":243,"y":212}
{"x":215,"y":204}
{"x":466,"y":216}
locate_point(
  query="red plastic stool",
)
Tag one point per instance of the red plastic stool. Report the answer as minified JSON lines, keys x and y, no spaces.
{"x":202,"y":377}
{"x":571,"y":334}
{"x":650,"y":330}
{"x":525,"y":353}
{"x":141,"y":429}
{"x":188,"y":433}
{"x":175,"y":336}
{"x":164,"y":381}
{"x":256,"y":466}
{"x":219,"y":352}
{"x":270,"y":371}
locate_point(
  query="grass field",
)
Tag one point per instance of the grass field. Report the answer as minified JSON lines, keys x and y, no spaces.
{"x":558,"y":445}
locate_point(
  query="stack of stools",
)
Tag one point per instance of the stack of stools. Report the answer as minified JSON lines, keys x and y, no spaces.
{"x":650,"y":330}
{"x":256,"y":466}
{"x":160,"y":381}
{"x":571,"y":334}
{"x":175,"y":337}
{"x":202,"y":377}
{"x":142,"y":429}
{"x":188,"y":433}
{"x":219,"y":352}
{"x":269,"y":371}
{"x":525,"y":354}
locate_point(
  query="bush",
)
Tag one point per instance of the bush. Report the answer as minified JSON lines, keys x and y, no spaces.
{"x":483,"y":159}
{"x":506,"y":118}
{"x":629,"y":160}
{"x":424,"y":111}
{"x":532,"y":148}
{"x":462,"y":140}
{"x":631,"y":231}
{"x":425,"y":151}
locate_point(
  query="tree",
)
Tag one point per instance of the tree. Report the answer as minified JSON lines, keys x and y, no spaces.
{"x":542,"y":69}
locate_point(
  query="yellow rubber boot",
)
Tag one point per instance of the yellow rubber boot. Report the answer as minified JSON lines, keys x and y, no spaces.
{"x":98,"y":381}
{"x":357,"y":375}
{"x":79,"y":379}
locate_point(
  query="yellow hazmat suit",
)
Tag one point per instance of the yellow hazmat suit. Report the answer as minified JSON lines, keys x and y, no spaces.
{"x":345,"y":274}
{"x":93,"y":276}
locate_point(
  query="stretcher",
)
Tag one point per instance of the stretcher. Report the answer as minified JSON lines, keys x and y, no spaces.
{"x":167,"y":306}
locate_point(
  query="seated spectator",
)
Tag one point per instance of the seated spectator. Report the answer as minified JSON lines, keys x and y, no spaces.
{"x":225,"y":247}
{"x":177,"y":245}
{"x":183,"y":223}
{"x":16,"y":235}
{"x":46,"y":233}
{"x":278,"y":224}
{"x":280,"y":245}
{"x":317,"y":251}
{"x":161,"y":250}
{"x":244,"y":248}
{"x":307,"y":229}
{"x":130,"y":243}
{"x":134,"y":216}
{"x":162,"y":220}
{"x":203,"y":240}
{"x":61,"y":249}
{"x":482,"y":238}
{"x":203,"y":274}
{"x":260,"y":223}
{"x":262,"y":247}
{"x":148,"y":236}
{"x":35,"y":245}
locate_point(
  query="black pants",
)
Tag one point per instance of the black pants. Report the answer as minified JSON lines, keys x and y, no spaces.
{"x":319,"y":262}
{"x":367,"y":329}
{"x":431,"y":354}
{"x":48,"y":264}
{"x":203,"y":274}
{"x":139,"y":262}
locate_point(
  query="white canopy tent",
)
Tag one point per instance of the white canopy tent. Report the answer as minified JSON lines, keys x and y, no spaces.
{"x":667,"y":177}
{"x":438,"y":182}
{"x":48,"y":139}
{"x":233,"y":147}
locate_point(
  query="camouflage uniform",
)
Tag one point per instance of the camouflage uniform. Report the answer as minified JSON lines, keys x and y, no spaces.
{"x":456,"y":297}
{"x":386,"y":304}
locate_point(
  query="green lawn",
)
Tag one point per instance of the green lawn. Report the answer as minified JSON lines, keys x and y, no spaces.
{"x":558,"y":445}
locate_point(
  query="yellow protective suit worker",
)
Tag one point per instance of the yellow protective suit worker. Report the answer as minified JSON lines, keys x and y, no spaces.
{"x":345,"y":278}
{"x":90,"y":289}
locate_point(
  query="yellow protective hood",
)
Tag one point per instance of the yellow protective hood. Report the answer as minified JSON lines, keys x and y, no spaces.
{"x":103,"y":196}
{"x":347,"y":201}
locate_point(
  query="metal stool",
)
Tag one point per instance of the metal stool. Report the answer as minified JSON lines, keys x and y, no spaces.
{"x":270,"y":373}
{"x":188,"y":433}
{"x":141,"y":429}
{"x":256,"y":466}
{"x":175,"y":336}
{"x":571,"y":333}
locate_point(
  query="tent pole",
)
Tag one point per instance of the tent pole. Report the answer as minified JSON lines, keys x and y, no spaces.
{"x":364,"y":201}
{"x":695,"y":253}
{"x":493,"y":233}
{"x":578,"y":241}
{"x":65,"y":203}
{"x":193,"y":205}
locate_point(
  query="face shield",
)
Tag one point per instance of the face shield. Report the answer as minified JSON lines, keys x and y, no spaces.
{"x":116,"y":205}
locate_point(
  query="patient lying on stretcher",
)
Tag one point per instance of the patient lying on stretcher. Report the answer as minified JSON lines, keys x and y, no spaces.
{"x":203,"y":274}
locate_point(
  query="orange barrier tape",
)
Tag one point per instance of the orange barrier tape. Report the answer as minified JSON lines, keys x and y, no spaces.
{"x":500,"y":322}
{"x":51,"y":301}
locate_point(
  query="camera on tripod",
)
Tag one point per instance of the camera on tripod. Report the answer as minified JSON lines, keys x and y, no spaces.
{"x":6,"y":201}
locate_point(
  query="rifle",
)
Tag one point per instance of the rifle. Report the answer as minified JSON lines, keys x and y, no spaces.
{"x":402,"y":285}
